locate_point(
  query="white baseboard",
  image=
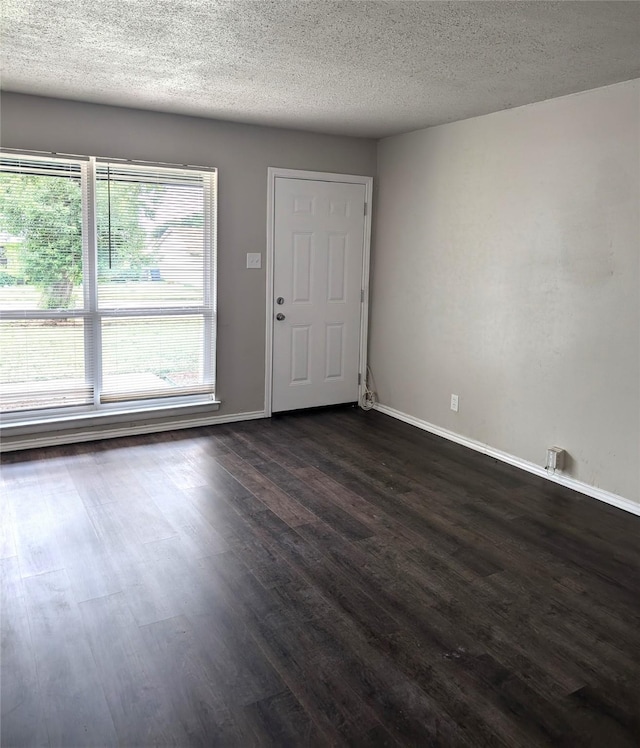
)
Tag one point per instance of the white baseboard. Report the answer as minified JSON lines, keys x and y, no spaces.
{"x":53,"y":439}
{"x":596,"y":493}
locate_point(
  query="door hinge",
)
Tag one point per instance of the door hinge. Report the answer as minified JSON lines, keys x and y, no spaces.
{"x":365,"y":209}
{"x":362,"y":295}
{"x":359,"y":378}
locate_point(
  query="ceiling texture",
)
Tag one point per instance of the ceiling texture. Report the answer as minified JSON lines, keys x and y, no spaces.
{"x":349,"y":67}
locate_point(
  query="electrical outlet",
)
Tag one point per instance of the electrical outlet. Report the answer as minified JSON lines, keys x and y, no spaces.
{"x":254,"y":260}
{"x":454,"y":403}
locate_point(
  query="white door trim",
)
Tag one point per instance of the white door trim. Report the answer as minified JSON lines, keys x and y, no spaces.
{"x":319,"y":176}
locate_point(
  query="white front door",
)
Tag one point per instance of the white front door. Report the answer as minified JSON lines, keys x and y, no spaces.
{"x":318,"y":279}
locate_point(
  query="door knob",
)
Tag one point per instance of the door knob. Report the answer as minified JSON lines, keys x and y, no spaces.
{"x":279,"y":316}
{"x":280,"y":300}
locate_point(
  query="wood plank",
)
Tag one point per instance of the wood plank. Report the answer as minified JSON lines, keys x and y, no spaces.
{"x":281,"y":504}
{"x":279,"y":720}
{"x":22,"y":715}
{"x":329,"y":578}
{"x":194,"y":684}
{"x":138,"y":700}
{"x":74,"y":705}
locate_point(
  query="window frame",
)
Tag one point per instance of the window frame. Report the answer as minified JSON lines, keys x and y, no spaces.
{"x":93,"y":315}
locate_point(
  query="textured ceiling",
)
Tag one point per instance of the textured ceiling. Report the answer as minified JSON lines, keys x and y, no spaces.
{"x":353,"y":67}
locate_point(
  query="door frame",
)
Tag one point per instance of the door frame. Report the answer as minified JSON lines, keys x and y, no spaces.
{"x":315,"y":176}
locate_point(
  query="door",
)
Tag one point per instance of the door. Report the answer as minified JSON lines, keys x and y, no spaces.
{"x":319,"y":232}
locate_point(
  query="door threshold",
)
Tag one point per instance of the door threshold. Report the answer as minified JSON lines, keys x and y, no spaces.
{"x":316,"y":409}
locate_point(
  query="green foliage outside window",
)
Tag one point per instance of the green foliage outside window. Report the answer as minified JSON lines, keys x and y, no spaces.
{"x":45,"y":212}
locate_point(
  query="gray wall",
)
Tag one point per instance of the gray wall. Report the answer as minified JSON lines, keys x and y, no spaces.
{"x":506,"y":271}
{"x":242,"y":154}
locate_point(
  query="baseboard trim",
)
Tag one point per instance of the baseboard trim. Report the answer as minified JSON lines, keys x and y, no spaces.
{"x":596,"y":493}
{"x":53,"y":439}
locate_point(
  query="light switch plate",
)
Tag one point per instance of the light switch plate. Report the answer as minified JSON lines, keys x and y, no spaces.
{"x":254,"y":260}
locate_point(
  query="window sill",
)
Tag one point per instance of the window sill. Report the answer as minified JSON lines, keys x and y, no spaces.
{"x":120,"y":417}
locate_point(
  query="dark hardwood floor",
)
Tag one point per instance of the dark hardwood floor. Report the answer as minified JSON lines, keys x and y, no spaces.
{"x":333,"y":578}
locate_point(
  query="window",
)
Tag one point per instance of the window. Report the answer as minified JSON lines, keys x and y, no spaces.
{"x":107,"y":285}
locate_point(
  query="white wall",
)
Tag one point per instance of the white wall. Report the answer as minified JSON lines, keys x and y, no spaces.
{"x":506,"y":270}
{"x":242,"y":154}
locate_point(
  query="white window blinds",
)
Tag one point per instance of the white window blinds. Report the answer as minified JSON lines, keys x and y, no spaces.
{"x":107,"y":282}
{"x":43,"y":326}
{"x":155,"y":281}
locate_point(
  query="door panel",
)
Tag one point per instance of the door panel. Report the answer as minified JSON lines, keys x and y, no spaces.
{"x":335,"y":350}
{"x":300,"y":354}
{"x":318,"y":256}
{"x":302,"y":253}
{"x":337,"y":270}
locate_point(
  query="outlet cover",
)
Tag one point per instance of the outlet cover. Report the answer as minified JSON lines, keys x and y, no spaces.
{"x":454,"y":403}
{"x":254,"y":260}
